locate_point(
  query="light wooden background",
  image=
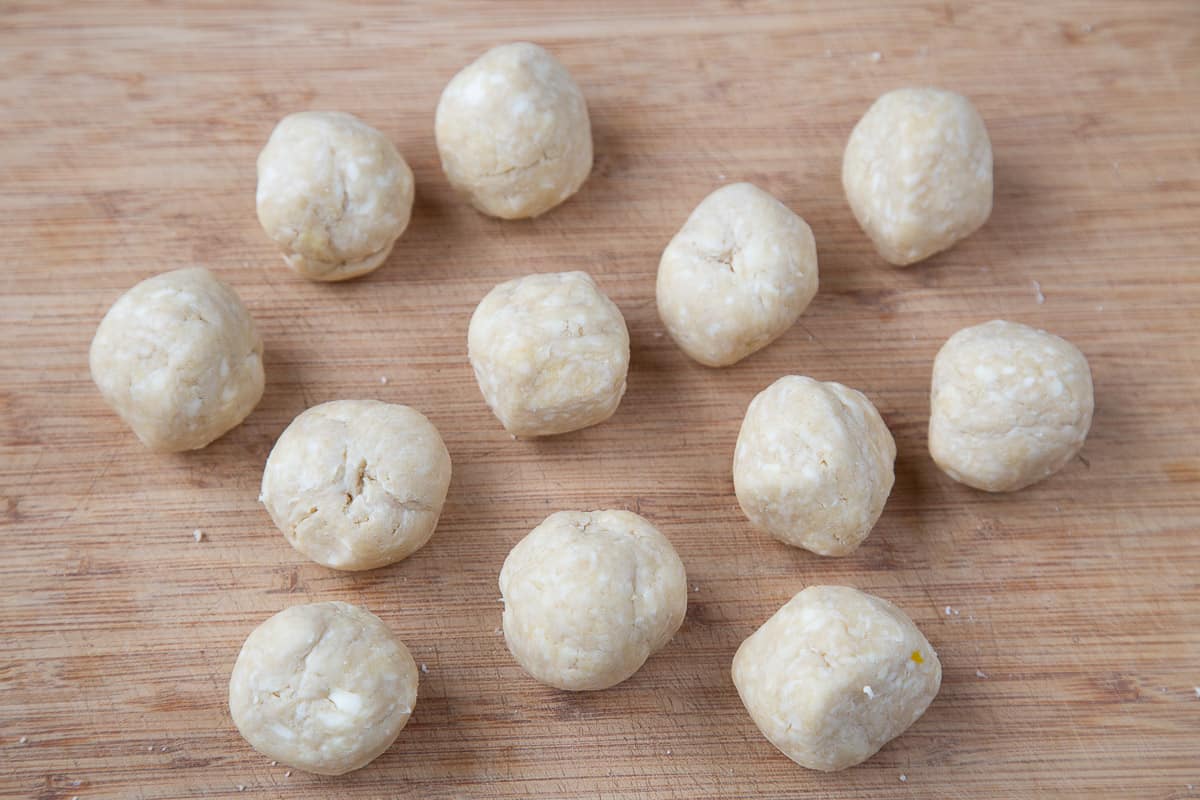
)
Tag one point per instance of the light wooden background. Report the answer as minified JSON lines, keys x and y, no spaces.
{"x":1072,"y":647}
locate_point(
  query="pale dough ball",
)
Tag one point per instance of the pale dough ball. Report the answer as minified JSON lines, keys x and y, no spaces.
{"x":835,"y":675}
{"x":550,"y":353}
{"x":918,"y":173}
{"x":1009,"y":405}
{"x":813,"y":464}
{"x":333,"y":193}
{"x":589,"y":596}
{"x":513,"y":132}
{"x":736,"y":276}
{"x":179,"y":359}
{"x":357,"y":484}
{"x":325,"y":688}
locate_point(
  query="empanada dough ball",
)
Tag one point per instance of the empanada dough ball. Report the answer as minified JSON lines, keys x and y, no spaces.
{"x":736,"y":276}
{"x":325,"y":688}
{"x":835,"y":675}
{"x":513,"y":132}
{"x":589,"y":596}
{"x":918,"y":173}
{"x":333,"y":193}
{"x":357,"y":484}
{"x":813,"y":464}
{"x":179,"y":359}
{"x":550,"y":353}
{"x":1009,"y":405}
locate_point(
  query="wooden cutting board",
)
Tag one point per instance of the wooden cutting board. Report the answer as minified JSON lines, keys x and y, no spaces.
{"x":1066,"y":615}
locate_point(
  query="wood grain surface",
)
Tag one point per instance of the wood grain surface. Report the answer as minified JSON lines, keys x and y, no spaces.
{"x":1066,"y":615}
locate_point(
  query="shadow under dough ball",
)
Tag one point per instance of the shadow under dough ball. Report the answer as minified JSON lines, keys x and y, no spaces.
{"x":513,"y":132}
{"x":179,"y":359}
{"x":333,"y":194}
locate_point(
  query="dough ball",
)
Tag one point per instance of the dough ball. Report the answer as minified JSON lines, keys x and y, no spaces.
{"x":325,"y":688}
{"x":918,"y":173}
{"x":357,"y":484}
{"x":179,"y":359}
{"x":513,"y":132}
{"x":589,"y":596}
{"x":1010,"y":405}
{"x":333,"y":193}
{"x":736,"y":276}
{"x":835,"y":675}
{"x":813,"y":465}
{"x":550,"y":353}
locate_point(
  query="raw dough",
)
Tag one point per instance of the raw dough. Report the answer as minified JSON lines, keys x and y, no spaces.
{"x":835,"y":675}
{"x":324,"y":688}
{"x":357,"y":484}
{"x":918,"y":173}
{"x":179,"y":359}
{"x":736,"y":276}
{"x":1009,"y":405}
{"x":589,"y":596}
{"x":513,"y":132}
{"x":333,"y":193}
{"x":550,"y":352}
{"x":813,"y":464}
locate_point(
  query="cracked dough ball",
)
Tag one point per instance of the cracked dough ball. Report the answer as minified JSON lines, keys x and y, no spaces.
{"x":357,"y":484}
{"x":179,"y":359}
{"x":513,"y":132}
{"x":918,"y":173}
{"x":550,"y":353}
{"x":333,"y":193}
{"x":325,"y":688}
{"x":813,"y":465}
{"x":589,"y":596}
{"x":736,"y":276}
{"x":835,"y":675}
{"x":1009,"y":405}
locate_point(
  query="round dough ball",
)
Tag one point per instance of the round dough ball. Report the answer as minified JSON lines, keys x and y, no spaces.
{"x":835,"y":675}
{"x":738,"y":274}
{"x":333,"y":193}
{"x":918,"y":173}
{"x":513,"y":132}
{"x":1009,"y":405}
{"x":357,"y":484}
{"x":325,"y":688}
{"x":550,"y":353}
{"x":813,"y":465}
{"x":179,"y":359}
{"x":589,"y":596}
